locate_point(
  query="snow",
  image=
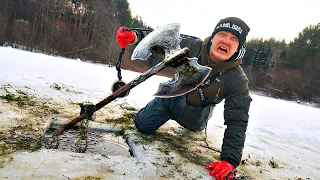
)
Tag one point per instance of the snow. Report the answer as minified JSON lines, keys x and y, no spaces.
{"x":279,"y":129}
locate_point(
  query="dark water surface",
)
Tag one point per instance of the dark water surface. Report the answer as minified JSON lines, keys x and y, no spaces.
{"x":97,"y":143}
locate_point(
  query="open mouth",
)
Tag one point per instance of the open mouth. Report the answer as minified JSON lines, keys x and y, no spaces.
{"x":222,"y":49}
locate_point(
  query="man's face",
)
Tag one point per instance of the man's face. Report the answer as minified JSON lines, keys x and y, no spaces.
{"x":224,"y":45}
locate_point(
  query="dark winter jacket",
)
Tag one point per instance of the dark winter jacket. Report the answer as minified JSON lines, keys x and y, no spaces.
{"x":229,"y":82}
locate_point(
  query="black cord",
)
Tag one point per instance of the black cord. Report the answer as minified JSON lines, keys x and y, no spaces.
{"x":118,"y":68}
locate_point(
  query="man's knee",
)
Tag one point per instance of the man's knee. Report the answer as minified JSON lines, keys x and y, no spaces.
{"x":141,"y":125}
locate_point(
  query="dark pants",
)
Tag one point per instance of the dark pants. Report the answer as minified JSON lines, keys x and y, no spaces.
{"x":160,"y":110}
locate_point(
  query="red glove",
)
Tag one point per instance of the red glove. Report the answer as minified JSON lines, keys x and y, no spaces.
{"x":125,"y":36}
{"x":221,"y":170}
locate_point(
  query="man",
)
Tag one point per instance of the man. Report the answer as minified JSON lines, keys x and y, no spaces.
{"x":222,"y":51}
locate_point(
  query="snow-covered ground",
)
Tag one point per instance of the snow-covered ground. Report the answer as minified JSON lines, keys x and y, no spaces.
{"x":279,"y":131}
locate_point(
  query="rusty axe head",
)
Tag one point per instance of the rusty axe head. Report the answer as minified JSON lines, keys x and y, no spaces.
{"x":189,"y":74}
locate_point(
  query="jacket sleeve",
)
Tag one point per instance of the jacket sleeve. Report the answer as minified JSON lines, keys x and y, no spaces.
{"x":194,"y":45}
{"x":236,"y":108}
{"x":140,"y":34}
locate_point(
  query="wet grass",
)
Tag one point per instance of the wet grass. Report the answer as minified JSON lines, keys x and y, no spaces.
{"x":127,"y":107}
{"x":62,"y":87}
{"x":126,"y":118}
{"x":273,"y":163}
{"x":81,"y":130}
{"x":17,"y":96}
{"x":125,"y":121}
{"x":258,"y":163}
{"x":23,"y":99}
{"x":18,"y":138}
{"x":22,"y":137}
{"x":26,"y":135}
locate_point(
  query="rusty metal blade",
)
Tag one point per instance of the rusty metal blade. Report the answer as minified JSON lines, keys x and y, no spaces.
{"x":188,"y":77}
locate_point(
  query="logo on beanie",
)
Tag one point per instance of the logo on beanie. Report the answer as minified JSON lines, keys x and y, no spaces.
{"x":228,"y":25}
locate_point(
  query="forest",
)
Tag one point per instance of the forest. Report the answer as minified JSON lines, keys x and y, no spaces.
{"x":85,"y":29}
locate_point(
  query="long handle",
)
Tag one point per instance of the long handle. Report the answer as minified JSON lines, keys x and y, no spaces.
{"x":171,"y":61}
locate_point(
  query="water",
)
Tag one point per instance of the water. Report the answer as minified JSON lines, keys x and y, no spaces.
{"x":106,"y":144}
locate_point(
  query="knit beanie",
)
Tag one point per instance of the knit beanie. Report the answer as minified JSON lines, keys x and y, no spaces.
{"x":238,"y":28}
{"x":234,"y":25}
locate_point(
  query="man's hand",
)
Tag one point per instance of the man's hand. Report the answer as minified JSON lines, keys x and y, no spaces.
{"x":125,"y":36}
{"x":221,"y":170}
